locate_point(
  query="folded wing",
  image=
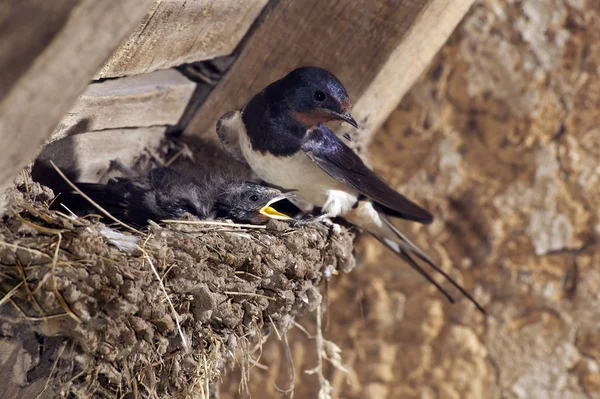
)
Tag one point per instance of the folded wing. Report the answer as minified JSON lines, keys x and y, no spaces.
{"x":341,"y":163}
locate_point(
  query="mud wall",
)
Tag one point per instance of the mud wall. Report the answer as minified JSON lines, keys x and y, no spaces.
{"x":500,"y":139}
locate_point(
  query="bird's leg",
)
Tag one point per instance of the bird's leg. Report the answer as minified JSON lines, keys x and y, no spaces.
{"x":323,"y":218}
{"x":336,"y":202}
{"x":317,"y":222}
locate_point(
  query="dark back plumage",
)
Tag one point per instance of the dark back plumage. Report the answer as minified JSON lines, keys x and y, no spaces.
{"x":337,"y":160}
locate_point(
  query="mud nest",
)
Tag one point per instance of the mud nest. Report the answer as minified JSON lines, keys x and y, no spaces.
{"x":94,"y":321}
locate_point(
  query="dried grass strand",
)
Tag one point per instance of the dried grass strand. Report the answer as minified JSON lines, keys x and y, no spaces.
{"x":274,"y":327}
{"x":47,"y":384}
{"x":27,"y":249}
{"x":30,"y":295}
{"x":34,"y":318}
{"x":59,"y":296}
{"x":304,"y":330}
{"x":249,"y":294}
{"x":106,"y":213}
{"x":325,"y":391}
{"x":164,"y":290}
{"x":36,"y":212}
{"x":10,"y":293}
{"x":291,"y":369}
{"x":213,"y":223}
{"x":37,"y":227}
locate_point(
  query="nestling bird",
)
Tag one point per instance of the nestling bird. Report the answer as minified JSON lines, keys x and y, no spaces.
{"x":281,"y":135}
{"x":167,"y":194}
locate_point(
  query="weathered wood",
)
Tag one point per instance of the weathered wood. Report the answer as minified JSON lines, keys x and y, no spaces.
{"x":15,"y":361}
{"x":50,"y":50}
{"x":86,"y":157}
{"x":175,"y":32}
{"x":154,"y":99}
{"x":377,"y":49}
{"x":407,"y":62}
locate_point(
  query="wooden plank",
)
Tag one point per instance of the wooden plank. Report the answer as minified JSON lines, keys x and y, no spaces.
{"x":15,"y":361}
{"x":153,"y":99}
{"x":86,"y":157}
{"x":175,"y":32}
{"x":49,"y":66}
{"x":20,"y":45}
{"x":378,"y":49}
{"x":407,"y":62}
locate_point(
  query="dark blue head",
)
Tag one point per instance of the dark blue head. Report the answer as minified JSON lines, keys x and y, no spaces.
{"x":314,"y":95}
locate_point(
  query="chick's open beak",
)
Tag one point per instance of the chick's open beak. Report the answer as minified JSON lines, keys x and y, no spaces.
{"x":273,"y":213}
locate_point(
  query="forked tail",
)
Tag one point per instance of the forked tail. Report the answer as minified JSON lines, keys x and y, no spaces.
{"x":404,"y":248}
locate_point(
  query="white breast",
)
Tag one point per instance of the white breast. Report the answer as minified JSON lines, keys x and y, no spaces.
{"x":299,"y":172}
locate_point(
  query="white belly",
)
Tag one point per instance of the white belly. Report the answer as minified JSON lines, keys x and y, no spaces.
{"x":299,"y":172}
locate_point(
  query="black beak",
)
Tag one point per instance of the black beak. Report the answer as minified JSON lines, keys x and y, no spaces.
{"x":347,"y":117}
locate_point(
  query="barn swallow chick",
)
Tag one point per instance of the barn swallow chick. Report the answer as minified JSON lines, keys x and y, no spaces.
{"x":249,"y":202}
{"x":166,"y":194}
{"x":281,"y":135}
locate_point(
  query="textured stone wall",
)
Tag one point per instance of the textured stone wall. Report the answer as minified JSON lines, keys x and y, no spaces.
{"x":500,"y":139}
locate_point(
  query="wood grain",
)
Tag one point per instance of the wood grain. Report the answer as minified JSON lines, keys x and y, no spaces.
{"x":16,"y":357}
{"x":152,"y":99}
{"x":50,"y":66}
{"x":21,"y":45}
{"x":376,"y":48}
{"x":407,"y":62}
{"x":175,"y":32}
{"x":86,"y":157}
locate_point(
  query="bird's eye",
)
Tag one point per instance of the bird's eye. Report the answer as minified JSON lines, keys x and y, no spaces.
{"x":254,"y":198}
{"x":319,"y":96}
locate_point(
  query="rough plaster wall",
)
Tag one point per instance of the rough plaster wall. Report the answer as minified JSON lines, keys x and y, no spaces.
{"x":501,"y":140}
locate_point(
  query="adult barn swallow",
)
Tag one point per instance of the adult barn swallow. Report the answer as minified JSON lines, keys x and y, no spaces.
{"x":281,"y":135}
{"x":166,"y":194}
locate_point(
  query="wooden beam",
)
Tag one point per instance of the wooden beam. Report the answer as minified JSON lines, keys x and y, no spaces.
{"x":16,"y":357}
{"x":50,"y":50}
{"x":86,"y":157}
{"x":407,"y":62}
{"x":378,"y":49}
{"x":152,"y":99}
{"x":175,"y":32}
